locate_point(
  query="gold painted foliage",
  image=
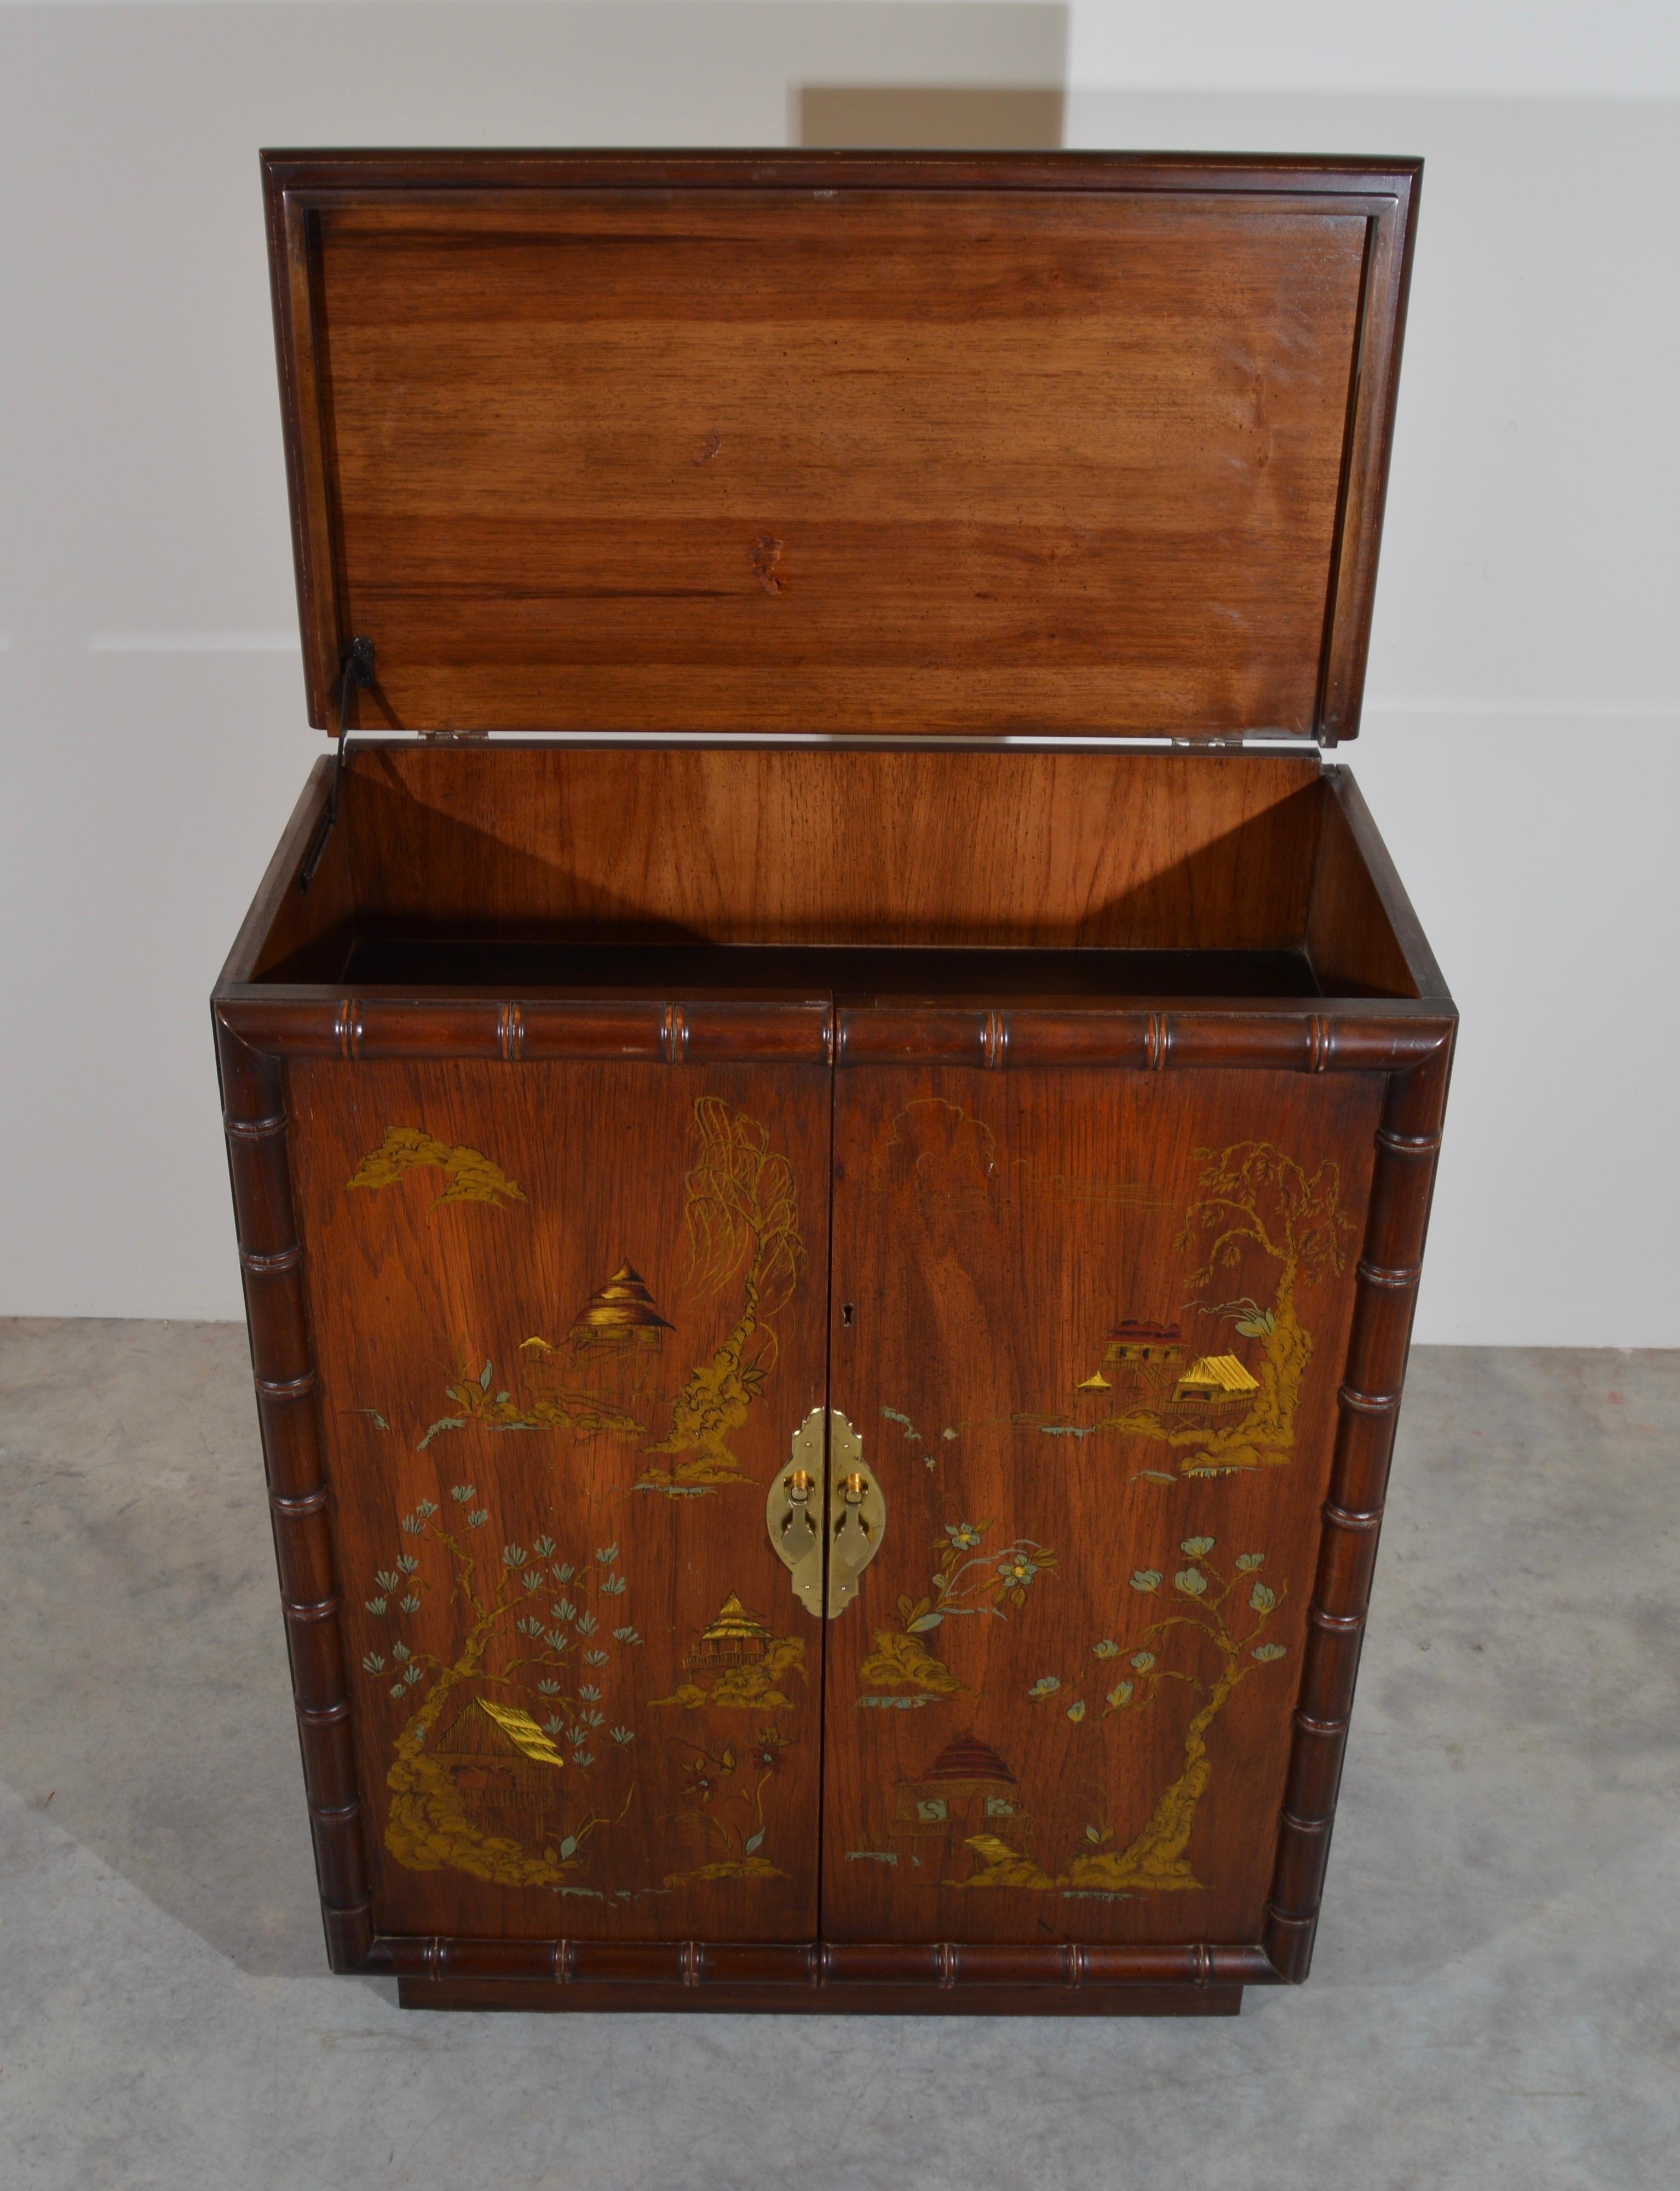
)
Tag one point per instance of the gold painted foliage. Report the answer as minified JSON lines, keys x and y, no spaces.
{"x":741,"y":1212}
{"x":902,"y":1662}
{"x":938,"y":1152}
{"x":1253,"y":1196}
{"x":743,"y":1224}
{"x":470,"y":1174}
{"x":1253,"y":1202}
{"x":756,"y":1687}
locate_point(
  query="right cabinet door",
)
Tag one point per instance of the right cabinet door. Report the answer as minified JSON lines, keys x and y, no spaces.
{"x":1090,"y":1325}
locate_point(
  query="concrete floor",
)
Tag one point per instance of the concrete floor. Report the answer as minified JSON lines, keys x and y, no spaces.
{"x":1495,"y":1999}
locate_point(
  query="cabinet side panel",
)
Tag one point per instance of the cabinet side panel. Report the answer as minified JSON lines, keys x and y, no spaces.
{"x":1092,"y":1326}
{"x":567,"y":1317}
{"x":1350,"y":940}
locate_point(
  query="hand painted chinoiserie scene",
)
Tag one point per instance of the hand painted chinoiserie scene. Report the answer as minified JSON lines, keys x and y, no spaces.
{"x":1087,"y":1334}
{"x":832,"y":1105}
{"x":596,"y":1317}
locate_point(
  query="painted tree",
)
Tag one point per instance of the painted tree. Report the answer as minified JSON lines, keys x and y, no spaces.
{"x":1254,"y":1199}
{"x":743,"y":1225}
{"x":1207,"y":1646}
{"x":1210,"y":1642}
{"x":539,"y":1641}
{"x":471,"y":1175}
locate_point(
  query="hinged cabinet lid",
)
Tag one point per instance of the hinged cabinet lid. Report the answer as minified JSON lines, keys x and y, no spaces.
{"x":844,"y":443}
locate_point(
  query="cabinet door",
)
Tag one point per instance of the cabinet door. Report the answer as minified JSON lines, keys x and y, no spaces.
{"x":1090,"y":1326}
{"x":567,"y":1317}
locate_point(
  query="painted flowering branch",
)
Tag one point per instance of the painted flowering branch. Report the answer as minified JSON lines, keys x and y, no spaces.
{"x":564,"y":1641}
{"x":985,"y":1581}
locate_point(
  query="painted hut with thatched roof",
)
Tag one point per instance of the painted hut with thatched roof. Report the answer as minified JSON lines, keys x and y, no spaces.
{"x":1216,"y":1380}
{"x":967,"y":1789}
{"x":617,"y":1315}
{"x":1136,"y":1343}
{"x":503,"y":1764}
{"x":734,"y":1638}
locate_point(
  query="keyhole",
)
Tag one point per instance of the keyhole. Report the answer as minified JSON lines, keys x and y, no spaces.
{"x":847,"y":1313}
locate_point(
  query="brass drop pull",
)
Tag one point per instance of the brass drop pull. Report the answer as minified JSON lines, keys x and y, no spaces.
{"x":858,"y":1516}
{"x":826,"y":1450}
{"x":794,"y":1512}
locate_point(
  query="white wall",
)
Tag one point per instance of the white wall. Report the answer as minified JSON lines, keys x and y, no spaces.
{"x":1522,"y":749}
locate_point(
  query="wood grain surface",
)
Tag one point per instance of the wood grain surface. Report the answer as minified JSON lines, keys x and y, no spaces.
{"x":661,"y":447}
{"x":902,"y":848}
{"x":545,"y":1262}
{"x":993,"y":1752}
{"x":582,"y":1481}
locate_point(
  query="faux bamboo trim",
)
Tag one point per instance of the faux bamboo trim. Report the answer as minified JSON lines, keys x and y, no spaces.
{"x":948,"y":1965}
{"x":696,"y":1030}
{"x":271,"y":1258}
{"x":1368,"y":1404}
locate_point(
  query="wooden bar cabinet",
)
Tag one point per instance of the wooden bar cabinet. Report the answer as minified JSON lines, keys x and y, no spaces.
{"x":831,"y":1106}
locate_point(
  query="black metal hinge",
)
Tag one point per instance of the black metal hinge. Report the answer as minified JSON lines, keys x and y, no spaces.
{"x":355,"y":671}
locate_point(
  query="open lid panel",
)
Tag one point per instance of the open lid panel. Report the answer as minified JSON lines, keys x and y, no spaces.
{"x":840,"y":443}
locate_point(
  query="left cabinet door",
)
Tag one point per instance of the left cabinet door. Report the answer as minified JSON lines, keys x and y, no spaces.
{"x":566,"y":1318}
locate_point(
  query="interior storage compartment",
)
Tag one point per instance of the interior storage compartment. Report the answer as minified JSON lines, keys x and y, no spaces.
{"x":838,"y":872}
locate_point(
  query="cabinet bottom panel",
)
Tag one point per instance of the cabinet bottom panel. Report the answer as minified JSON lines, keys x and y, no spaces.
{"x":532,"y":1995}
{"x":821,"y":1978}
